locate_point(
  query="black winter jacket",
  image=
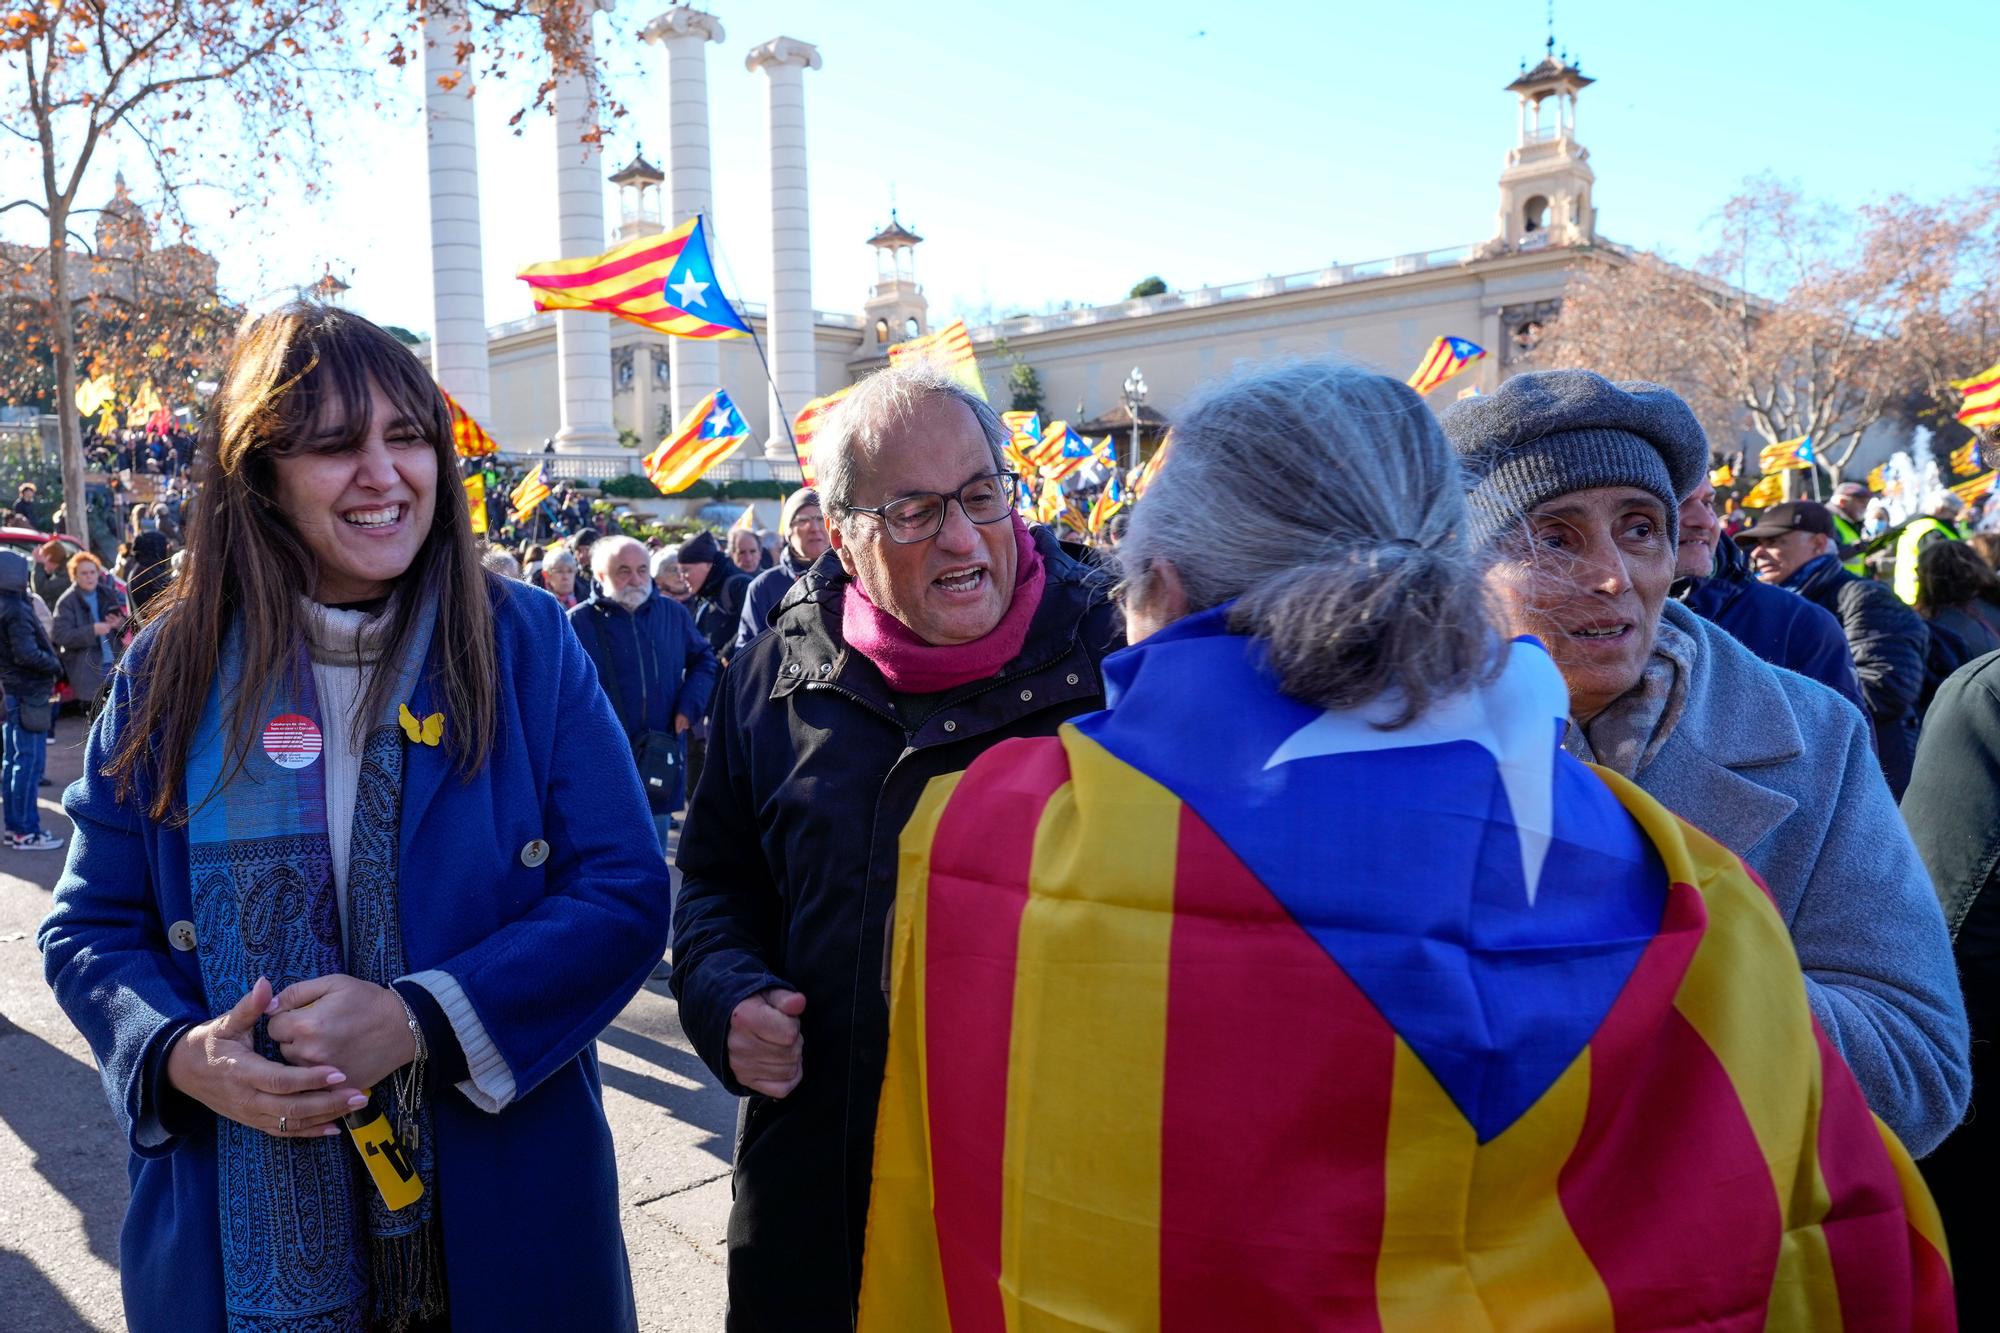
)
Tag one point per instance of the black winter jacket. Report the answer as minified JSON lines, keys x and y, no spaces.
{"x":717,"y":606}
{"x":1953,"y":810}
{"x":1888,"y":641}
{"x":28,"y":662}
{"x":788,"y":866}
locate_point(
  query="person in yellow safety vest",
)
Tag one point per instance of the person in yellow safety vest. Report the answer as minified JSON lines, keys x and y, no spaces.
{"x":1936,"y":526}
{"x":1850,"y":510}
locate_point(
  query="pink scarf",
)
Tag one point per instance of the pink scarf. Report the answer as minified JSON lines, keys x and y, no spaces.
{"x":912,"y":666}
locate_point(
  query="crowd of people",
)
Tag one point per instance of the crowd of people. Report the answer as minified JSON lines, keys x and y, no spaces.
{"x":1386,"y":756}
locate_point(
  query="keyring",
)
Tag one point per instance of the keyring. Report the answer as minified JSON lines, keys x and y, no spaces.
{"x":284,"y":1123}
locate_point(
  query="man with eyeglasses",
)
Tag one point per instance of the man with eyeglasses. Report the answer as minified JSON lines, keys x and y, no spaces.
{"x":938,"y":626}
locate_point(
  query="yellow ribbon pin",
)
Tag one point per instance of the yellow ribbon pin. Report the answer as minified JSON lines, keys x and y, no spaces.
{"x":428,"y":732}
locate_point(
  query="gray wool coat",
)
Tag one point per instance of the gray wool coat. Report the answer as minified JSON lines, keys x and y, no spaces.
{"x":1780,"y":770}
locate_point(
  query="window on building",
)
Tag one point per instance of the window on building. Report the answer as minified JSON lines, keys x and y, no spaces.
{"x":911,"y":328}
{"x":1535,"y":214}
{"x":882,"y":333}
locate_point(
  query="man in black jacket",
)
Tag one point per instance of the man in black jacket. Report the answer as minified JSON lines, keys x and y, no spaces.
{"x":28,"y":670}
{"x":1793,"y":546}
{"x":936,"y":627}
{"x":719,"y":589}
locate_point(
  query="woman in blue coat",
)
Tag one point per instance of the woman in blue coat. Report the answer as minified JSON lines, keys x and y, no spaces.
{"x":346,"y":905}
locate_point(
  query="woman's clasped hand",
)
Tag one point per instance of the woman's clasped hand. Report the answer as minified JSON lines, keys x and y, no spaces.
{"x":218,"y":1065}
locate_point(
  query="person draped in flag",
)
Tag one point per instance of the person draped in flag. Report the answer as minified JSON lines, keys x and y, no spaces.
{"x":937,"y":627}
{"x":1372,"y":1008}
{"x":1576,"y":484}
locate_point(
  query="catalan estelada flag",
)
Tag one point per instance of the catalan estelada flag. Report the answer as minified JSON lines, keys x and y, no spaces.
{"x":1063,"y":452}
{"x":468,"y":437}
{"x":951,"y":348}
{"x":665,"y":282}
{"x":528,"y":495}
{"x":806,"y":424}
{"x":1769,"y":490}
{"x":1108,"y":502}
{"x":709,"y":433}
{"x":1446,"y":357}
{"x":1321,"y":1025}
{"x":1965,"y":458}
{"x":1969,"y":491}
{"x":1793,"y":455}
{"x":1982,"y":397}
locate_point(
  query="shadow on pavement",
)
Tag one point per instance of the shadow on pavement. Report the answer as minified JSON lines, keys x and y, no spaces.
{"x":707,"y":1107}
{"x":33,"y":1303}
{"x":55,"y":1102}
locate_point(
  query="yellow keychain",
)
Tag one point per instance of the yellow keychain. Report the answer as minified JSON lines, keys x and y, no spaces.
{"x":392,"y":1166}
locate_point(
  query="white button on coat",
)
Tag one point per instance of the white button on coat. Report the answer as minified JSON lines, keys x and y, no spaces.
{"x":181,"y":936}
{"x":534,"y":853}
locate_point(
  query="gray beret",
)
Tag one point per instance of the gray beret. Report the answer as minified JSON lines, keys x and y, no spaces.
{"x":1550,"y":432}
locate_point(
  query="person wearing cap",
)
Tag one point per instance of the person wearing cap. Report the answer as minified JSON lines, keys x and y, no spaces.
{"x":1850,"y":516}
{"x":1939,"y":524}
{"x":1713,"y":579}
{"x":1575,"y":484}
{"x":1793,"y":545}
{"x":804,"y":525}
{"x":719,"y":589}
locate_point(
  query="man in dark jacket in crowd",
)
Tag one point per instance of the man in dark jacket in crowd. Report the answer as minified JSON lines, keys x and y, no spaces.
{"x":936,"y":627}
{"x":1712,"y":579}
{"x":1953,"y":810}
{"x":804,"y":525}
{"x":28,"y":670}
{"x":1792,"y":546}
{"x":651,"y":661}
{"x":719,"y":589}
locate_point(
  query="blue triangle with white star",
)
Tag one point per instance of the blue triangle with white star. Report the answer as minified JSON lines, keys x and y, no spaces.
{"x":691,"y":287}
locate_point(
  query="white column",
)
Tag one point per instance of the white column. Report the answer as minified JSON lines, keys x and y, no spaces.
{"x":696,"y":362}
{"x":789,"y":328}
{"x":458,"y":279}
{"x":583,"y":338}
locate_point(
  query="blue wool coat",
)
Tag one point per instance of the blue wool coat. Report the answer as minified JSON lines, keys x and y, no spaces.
{"x":547,"y":955}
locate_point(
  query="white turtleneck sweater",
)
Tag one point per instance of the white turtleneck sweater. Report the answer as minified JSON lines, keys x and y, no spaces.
{"x":346,"y":646}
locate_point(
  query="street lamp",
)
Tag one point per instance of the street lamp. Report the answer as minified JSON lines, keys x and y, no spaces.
{"x":1135,"y":398}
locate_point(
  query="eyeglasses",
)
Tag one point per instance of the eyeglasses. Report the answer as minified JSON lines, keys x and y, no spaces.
{"x":920,"y":517}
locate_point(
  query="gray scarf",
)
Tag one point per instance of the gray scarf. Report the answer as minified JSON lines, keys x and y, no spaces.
{"x":1632,"y":728}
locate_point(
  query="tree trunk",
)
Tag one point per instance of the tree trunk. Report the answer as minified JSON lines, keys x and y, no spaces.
{"x":69,"y":430}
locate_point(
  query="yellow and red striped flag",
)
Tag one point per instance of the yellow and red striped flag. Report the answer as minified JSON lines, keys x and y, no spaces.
{"x":468,"y":437}
{"x":1446,"y":357}
{"x":951,"y":348}
{"x":1969,"y":491}
{"x":1965,"y":458}
{"x":1769,"y":490}
{"x":664,"y":282}
{"x":705,"y":436}
{"x":529,"y":494}
{"x":1982,"y":397}
{"x":475,"y":501}
{"x":806,"y":425}
{"x":1150,"y":469}
{"x":1793,"y":455}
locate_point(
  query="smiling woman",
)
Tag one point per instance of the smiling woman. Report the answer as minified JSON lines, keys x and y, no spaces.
{"x":273,"y":924}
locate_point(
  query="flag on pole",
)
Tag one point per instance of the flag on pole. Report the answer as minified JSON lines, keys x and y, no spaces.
{"x":1769,"y":490}
{"x":529,"y":494}
{"x":745,"y":521}
{"x":1970,"y":491}
{"x":1066,"y":452}
{"x":1446,"y":357}
{"x":1564,"y":1070}
{"x":1722,"y":476}
{"x":1150,"y":469}
{"x":1982,"y":397}
{"x":664,"y":282}
{"x":807,"y":423}
{"x":467,"y":436}
{"x":951,"y":348}
{"x":710,"y":433}
{"x":1108,"y":502}
{"x":95,"y":394}
{"x":475,"y":501}
{"x":1794,"y":455}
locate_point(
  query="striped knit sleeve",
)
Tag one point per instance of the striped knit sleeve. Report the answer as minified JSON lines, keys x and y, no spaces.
{"x":490,"y":1085}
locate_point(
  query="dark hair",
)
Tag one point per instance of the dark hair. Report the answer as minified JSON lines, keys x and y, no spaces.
{"x":290,"y":370}
{"x":1951,"y":574}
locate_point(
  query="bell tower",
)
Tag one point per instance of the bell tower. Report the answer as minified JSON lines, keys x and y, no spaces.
{"x":896,"y":309}
{"x":1545,"y":188}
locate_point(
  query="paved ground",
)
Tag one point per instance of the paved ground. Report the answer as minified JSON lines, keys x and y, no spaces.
{"x":62,"y":1163}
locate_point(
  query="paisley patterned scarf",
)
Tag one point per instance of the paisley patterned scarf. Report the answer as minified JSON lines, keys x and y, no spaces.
{"x":307,"y":1244}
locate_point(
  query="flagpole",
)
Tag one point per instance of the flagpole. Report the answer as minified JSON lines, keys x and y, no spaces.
{"x":784,"y":415}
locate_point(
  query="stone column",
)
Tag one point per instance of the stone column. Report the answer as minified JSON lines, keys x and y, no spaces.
{"x":583,"y":338}
{"x":458,"y":278}
{"x":685,"y":33}
{"x":789,"y":326}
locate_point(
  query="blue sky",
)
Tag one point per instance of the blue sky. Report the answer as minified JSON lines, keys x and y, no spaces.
{"x":1052,"y":151}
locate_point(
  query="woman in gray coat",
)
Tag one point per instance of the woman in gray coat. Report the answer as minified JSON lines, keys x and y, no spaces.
{"x":1576,"y":483}
{"x":90,"y":618}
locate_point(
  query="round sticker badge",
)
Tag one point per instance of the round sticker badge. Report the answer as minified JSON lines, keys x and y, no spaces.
{"x":292,"y":740}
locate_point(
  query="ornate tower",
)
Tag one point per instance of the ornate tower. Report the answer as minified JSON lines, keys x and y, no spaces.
{"x":1545,"y":190}
{"x":896,"y":308}
{"x":638,"y":199}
